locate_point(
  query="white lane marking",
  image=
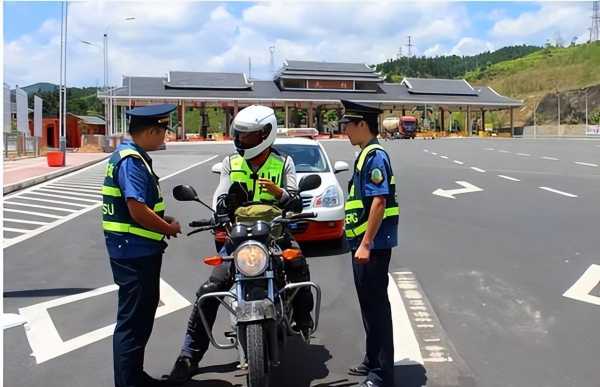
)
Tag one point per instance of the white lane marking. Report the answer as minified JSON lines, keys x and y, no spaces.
{"x":581,"y":289}
{"x":434,"y":153}
{"x":458,"y":162}
{"x":586,"y":164}
{"x":66,"y":192}
{"x":49,"y":201}
{"x":31,"y":213}
{"x":508,"y":178}
{"x":25,"y":221}
{"x":426,"y":150}
{"x":504,"y":151}
{"x":449,"y":193}
{"x":44,"y":339}
{"x":73,"y":189}
{"x":558,"y":192}
{"x":444,"y":157}
{"x":63,"y":197}
{"x":490,"y":149}
{"x":97,"y":204}
{"x":523,"y":154}
{"x":406,"y":346}
{"x":38,"y":206}
{"x":478,"y":169}
{"x":549,"y":158}
{"x":17,"y":230}
{"x":76,"y":185}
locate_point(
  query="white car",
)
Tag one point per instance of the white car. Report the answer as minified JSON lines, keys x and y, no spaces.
{"x":327,"y":201}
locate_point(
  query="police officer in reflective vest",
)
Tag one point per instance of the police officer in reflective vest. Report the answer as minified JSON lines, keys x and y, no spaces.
{"x":134,"y":228}
{"x":371,"y":230}
{"x":263,"y":176}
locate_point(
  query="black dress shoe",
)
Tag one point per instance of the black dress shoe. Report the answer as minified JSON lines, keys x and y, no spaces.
{"x":360,"y":370}
{"x":183,"y":370}
{"x":149,"y":381}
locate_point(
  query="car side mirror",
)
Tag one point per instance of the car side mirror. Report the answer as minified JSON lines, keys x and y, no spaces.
{"x":340,"y":166}
{"x":217,"y":168}
{"x":309,"y":182}
{"x":185,"y":193}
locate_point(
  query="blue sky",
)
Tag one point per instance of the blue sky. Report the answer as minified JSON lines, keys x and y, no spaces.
{"x":221,"y":36}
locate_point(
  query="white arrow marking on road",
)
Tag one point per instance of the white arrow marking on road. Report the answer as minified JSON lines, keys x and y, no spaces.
{"x":449,"y":193}
{"x":583,"y":286}
{"x":586,"y":164}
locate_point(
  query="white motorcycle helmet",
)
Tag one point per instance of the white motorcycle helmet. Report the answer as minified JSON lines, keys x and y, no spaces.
{"x":254,"y":119}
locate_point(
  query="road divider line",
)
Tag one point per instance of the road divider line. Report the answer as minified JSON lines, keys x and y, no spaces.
{"x":508,"y":178}
{"x":406,"y":345}
{"x":12,"y":220}
{"x":549,"y":158}
{"x":426,"y":150}
{"x":74,"y":215}
{"x":31,"y":213}
{"x":434,"y":153}
{"x":458,"y":162}
{"x":63,"y":197}
{"x":478,"y":169}
{"x":444,"y":157}
{"x":17,"y":230}
{"x":504,"y":151}
{"x":49,"y":201}
{"x":523,"y":154}
{"x":586,"y":164}
{"x":489,"y":149}
{"x":558,"y":192}
{"x":38,"y":206}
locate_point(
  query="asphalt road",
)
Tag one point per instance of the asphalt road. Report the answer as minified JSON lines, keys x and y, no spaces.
{"x":493,"y":264}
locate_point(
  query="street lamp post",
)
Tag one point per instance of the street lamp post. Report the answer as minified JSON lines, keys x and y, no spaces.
{"x":62,"y":110}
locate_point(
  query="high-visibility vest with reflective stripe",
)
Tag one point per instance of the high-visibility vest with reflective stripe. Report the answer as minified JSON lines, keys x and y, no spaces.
{"x":357,"y":208}
{"x":115,"y":213}
{"x":273,"y":169}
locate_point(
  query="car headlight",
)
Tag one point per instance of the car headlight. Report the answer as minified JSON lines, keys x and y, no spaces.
{"x":251,"y":259}
{"x":329,"y":198}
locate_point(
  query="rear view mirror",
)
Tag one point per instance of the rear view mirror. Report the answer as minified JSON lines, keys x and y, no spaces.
{"x":185,"y":193}
{"x":309,"y":182}
{"x":217,"y":168}
{"x":340,"y":166}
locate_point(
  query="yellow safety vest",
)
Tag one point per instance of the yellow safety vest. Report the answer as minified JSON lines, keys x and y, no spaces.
{"x":273,"y":169}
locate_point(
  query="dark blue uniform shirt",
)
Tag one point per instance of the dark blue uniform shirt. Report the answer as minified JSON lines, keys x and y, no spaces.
{"x":377,"y":165}
{"x":135,"y":182}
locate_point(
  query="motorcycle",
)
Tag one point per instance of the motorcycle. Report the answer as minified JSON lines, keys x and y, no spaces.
{"x":260,"y":301}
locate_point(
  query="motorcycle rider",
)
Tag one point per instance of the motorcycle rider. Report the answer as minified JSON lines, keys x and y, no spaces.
{"x":269,"y":178}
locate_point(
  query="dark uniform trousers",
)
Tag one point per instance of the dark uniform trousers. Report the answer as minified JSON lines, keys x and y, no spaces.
{"x":371,"y":281}
{"x":138,"y":280}
{"x":196,"y":339}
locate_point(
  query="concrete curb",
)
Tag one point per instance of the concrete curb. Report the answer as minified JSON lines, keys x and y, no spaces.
{"x":49,"y":176}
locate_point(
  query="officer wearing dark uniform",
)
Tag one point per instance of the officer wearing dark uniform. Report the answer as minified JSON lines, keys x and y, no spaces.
{"x":371,"y":230}
{"x":135,"y":227}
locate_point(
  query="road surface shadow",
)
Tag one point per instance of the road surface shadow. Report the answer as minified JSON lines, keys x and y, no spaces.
{"x":410,"y":376}
{"x":45,"y":292}
{"x":301,"y":364}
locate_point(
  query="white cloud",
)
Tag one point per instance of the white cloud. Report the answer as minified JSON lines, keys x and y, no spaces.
{"x":435,"y":50}
{"x":568,"y":19}
{"x":470,"y":46}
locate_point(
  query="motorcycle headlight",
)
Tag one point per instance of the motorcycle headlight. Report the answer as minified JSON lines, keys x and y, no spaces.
{"x":251,"y":259}
{"x":329,"y":198}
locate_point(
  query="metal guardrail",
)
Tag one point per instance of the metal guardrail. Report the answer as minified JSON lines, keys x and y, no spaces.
{"x":19,"y":145}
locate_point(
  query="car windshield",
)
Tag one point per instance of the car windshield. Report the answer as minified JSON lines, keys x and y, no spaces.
{"x":409,"y":125}
{"x":307,"y":158}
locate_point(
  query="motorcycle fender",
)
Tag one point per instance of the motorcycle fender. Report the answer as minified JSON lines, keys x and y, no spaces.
{"x":249,"y":311}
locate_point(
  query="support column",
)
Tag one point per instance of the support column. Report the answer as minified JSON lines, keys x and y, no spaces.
{"x":123,"y":120}
{"x":468,"y":119}
{"x":512,"y":121}
{"x":443,"y":119}
{"x":183,"y":109}
{"x":287,"y":115}
{"x":483,"y":119}
{"x":309,"y":121}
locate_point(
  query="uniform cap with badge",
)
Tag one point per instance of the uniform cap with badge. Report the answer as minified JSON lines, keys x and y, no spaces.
{"x":354,"y":112}
{"x":151,"y":115}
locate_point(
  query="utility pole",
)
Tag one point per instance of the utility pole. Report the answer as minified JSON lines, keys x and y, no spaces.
{"x":249,"y":68}
{"x":272,"y":59}
{"x":410,"y":46}
{"x":595,"y":32}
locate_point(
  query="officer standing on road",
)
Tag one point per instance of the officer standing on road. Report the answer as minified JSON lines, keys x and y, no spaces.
{"x":135,"y":227}
{"x":371,"y":229}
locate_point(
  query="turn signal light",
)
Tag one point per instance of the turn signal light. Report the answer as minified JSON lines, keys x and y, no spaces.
{"x":215,"y":260}
{"x":291,"y":254}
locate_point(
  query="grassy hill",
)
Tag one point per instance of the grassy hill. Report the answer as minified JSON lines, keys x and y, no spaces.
{"x":40,"y":87}
{"x":542,"y":73}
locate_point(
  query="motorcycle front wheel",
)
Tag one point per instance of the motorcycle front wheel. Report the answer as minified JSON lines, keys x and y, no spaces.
{"x":256,"y":351}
